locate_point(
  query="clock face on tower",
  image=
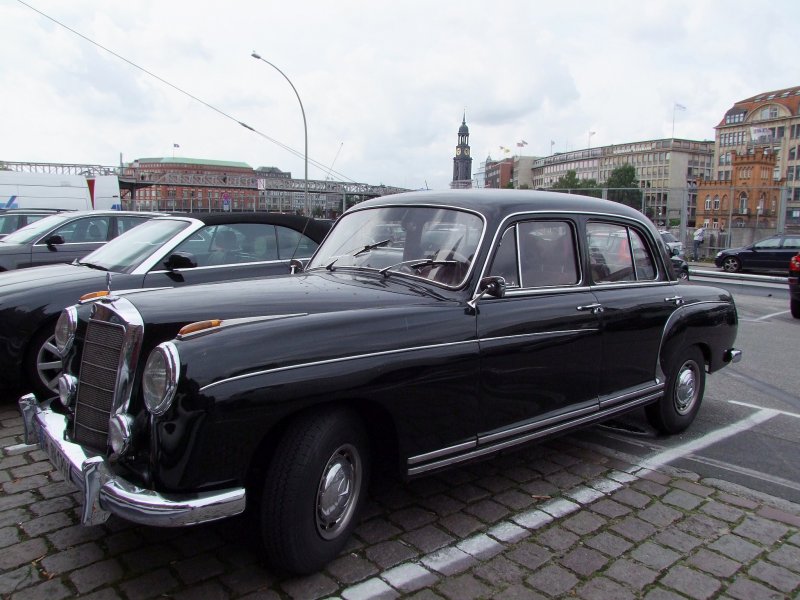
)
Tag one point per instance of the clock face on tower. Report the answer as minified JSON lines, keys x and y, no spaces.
{"x":466,"y":151}
{"x":458,"y":151}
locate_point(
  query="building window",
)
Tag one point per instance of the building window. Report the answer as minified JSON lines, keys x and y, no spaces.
{"x":716,"y":202}
{"x":708,"y":202}
{"x":743,"y":203}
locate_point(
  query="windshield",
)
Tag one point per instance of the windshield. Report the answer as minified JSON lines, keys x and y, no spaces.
{"x":31,"y":233}
{"x":134,"y":246}
{"x":435,"y":243}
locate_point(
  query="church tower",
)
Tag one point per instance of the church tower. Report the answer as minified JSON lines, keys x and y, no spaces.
{"x":462,"y":161}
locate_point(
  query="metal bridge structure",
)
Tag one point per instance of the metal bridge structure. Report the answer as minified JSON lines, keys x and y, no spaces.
{"x":132,"y":178}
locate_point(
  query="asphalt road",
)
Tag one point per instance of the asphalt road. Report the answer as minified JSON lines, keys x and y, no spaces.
{"x":748,"y":430}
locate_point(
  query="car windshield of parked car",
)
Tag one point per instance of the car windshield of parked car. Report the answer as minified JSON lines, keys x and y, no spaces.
{"x":434,"y":243}
{"x":130,"y":249}
{"x":33,"y":231}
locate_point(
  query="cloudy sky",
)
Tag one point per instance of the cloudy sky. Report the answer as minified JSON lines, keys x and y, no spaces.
{"x":384,"y":84}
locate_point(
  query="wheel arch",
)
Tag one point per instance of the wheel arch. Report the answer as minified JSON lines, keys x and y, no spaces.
{"x":378,"y":425}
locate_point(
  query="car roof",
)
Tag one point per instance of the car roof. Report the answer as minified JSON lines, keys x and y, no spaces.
{"x":494,"y":202}
{"x":313,"y":228}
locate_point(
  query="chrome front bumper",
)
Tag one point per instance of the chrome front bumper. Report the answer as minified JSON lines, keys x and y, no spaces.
{"x":105,"y":493}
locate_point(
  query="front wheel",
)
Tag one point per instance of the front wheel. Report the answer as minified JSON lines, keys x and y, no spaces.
{"x":686,"y":380}
{"x":731,"y":264}
{"x":43,"y":363}
{"x":313,"y":491}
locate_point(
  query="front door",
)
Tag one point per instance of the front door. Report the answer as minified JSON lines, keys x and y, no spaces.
{"x":541,"y":343}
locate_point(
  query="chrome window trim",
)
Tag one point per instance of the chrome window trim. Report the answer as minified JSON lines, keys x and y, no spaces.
{"x":168,"y":246}
{"x":224,"y":265}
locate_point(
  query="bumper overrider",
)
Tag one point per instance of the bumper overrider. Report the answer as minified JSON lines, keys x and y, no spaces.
{"x":105,"y":493}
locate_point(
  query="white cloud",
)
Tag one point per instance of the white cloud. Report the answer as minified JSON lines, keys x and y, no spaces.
{"x":384,"y":84}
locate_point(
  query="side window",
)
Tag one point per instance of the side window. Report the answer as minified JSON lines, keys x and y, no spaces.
{"x":293,"y":244}
{"x":547,"y":254}
{"x":618,"y":253}
{"x":642,"y":260}
{"x":504,"y":263}
{"x":769,"y":244}
{"x":791,"y":242}
{"x":90,"y":229}
{"x":127,"y":223}
{"x":259,"y":242}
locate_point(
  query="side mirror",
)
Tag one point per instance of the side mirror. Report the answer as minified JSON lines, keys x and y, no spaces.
{"x":54,"y":240}
{"x":493,"y":286}
{"x":180,"y":260}
{"x":295,"y":266}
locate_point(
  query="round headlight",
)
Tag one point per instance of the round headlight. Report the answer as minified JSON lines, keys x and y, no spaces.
{"x":66,"y":326}
{"x":160,"y":378}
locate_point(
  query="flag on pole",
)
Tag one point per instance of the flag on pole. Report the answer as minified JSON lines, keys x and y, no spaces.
{"x":680,"y":106}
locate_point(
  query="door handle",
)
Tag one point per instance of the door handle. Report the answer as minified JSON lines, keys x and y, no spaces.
{"x":596,"y":308}
{"x":676,"y":300}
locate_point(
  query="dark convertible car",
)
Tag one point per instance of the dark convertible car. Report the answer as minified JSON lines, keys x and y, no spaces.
{"x":429,"y":328}
{"x":169,"y":251}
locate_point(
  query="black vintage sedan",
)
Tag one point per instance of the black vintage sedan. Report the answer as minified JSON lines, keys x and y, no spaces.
{"x":169,"y":251}
{"x":65,"y":236}
{"x":428,"y":329}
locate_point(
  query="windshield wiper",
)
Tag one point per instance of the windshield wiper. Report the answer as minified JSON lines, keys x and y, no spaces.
{"x":416,"y":265}
{"x":364,"y":250}
{"x":90,"y":265}
{"x":371,"y":247}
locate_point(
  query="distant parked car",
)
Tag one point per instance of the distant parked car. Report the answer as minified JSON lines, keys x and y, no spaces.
{"x":65,"y":236}
{"x":770,"y":254}
{"x":681,"y":268}
{"x":17,"y":218}
{"x":794,"y":285}
{"x":167,"y":251}
{"x":674,"y":244}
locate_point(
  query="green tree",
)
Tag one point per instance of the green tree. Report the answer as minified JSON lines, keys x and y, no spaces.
{"x":623,"y":186}
{"x":570,"y":181}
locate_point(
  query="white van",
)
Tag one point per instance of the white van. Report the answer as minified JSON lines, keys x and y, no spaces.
{"x":51,"y":190}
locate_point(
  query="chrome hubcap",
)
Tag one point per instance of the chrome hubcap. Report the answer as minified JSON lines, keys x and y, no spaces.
{"x":686,"y":388}
{"x":338,"y":491}
{"x":48,"y":363}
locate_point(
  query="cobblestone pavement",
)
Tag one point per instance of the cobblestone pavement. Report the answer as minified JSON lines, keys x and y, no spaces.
{"x":558,"y":520}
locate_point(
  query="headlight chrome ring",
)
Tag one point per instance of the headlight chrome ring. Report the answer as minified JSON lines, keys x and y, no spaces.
{"x":160,"y":380}
{"x":66,"y":326}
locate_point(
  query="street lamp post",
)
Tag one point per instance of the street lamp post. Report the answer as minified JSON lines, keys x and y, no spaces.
{"x":305,"y":127}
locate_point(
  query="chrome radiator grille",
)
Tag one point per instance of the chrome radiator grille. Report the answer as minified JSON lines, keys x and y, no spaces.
{"x":98,"y":382}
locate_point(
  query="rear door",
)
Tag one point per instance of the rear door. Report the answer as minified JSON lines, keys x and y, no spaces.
{"x":637,"y":299}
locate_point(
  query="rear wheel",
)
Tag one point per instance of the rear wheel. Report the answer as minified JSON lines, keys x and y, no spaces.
{"x":686,"y":380}
{"x":731,"y":264}
{"x":313,"y":491}
{"x":43,"y":363}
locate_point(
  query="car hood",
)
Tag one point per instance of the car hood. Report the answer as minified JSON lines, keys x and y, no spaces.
{"x":304,"y":293}
{"x":49,"y":276}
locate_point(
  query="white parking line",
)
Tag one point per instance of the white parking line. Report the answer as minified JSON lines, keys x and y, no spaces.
{"x":667,"y":456}
{"x":765,"y":317}
{"x":780,"y":412}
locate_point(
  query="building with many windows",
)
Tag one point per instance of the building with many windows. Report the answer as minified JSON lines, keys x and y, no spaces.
{"x":765,"y":127}
{"x":667,"y":171}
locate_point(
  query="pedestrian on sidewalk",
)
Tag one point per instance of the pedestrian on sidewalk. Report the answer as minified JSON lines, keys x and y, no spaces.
{"x":699,"y":238}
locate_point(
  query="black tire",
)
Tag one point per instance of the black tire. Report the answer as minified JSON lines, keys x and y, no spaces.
{"x":43,"y":363}
{"x":683,"y":394}
{"x":303,"y":527}
{"x":731,"y":264}
{"x":794,"y":306}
